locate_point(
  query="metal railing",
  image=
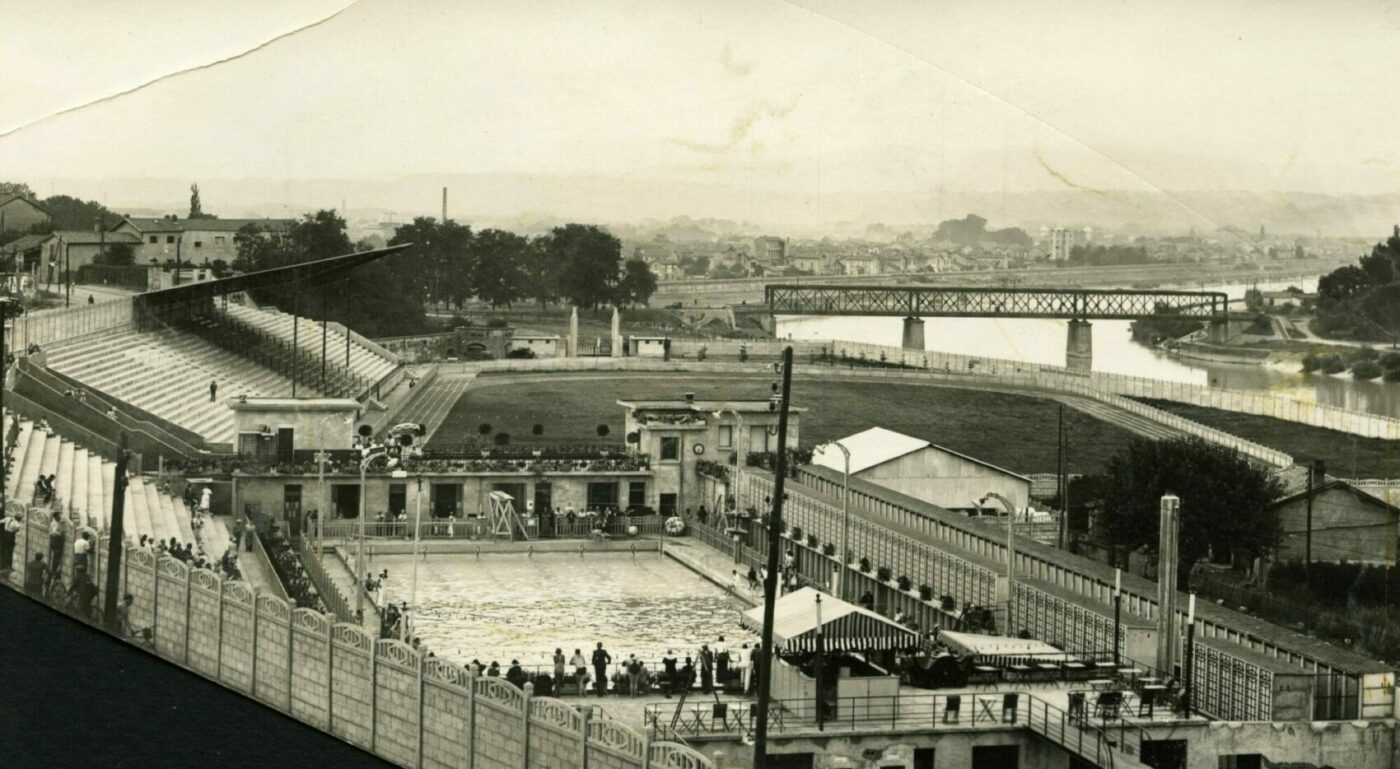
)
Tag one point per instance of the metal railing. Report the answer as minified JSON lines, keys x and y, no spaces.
{"x":1079,"y":733}
{"x":480,"y":528}
{"x":330,"y":592}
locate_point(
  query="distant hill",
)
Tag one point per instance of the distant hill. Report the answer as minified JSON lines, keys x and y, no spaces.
{"x":504,"y":199}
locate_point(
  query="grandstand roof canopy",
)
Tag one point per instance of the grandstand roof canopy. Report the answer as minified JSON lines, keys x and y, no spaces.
{"x":321,"y":270}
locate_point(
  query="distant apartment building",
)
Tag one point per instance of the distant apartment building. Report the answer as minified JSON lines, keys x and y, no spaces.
{"x":69,"y":250}
{"x":770,"y":250}
{"x":193,"y":240}
{"x":1064,"y":239}
{"x":19,"y":213}
{"x":860,"y":264}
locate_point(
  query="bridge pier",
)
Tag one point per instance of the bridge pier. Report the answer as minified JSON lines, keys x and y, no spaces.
{"x":1079,"y":346}
{"x":913,"y":337}
{"x":1218,"y":331}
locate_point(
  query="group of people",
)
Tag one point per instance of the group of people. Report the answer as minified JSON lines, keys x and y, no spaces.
{"x":712,"y":666}
{"x":293,"y":575}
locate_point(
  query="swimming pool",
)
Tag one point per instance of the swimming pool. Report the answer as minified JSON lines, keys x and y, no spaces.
{"x":512,"y":606}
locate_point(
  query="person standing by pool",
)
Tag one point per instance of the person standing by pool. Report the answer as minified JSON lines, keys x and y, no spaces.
{"x":580,"y":669}
{"x":559,"y":665}
{"x":746,"y":666}
{"x":707,"y":669}
{"x":668,"y":665}
{"x":721,"y":662}
{"x":601,"y":660}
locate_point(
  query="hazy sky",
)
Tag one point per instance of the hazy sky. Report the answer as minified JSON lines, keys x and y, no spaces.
{"x":805,"y":96}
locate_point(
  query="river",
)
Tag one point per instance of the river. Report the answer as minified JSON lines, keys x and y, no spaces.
{"x":1043,"y":341}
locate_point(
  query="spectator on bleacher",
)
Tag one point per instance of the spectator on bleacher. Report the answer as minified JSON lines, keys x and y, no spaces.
{"x":205,"y":498}
{"x":56,"y":540}
{"x":238,"y":527}
{"x":43,"y":490}
{"x":82,"y":551}
{"x":8,"y":532}
{"x":188,"y":497}
{"x":213,"y":390}
{"x":34,"y":573}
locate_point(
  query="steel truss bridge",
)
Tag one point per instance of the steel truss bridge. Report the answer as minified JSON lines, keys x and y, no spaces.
{"x":932,"y":302}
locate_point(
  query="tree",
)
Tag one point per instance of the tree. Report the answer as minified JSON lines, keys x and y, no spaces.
{"x":542,"y":268}
{"x":69,"y":213}
{"x":257,"y":250}
{"x":638,"y":283}
{"x":440,"y":262}
{"x":16,"y":188}
{"x":589,"y":258}
{"x":1342,"y":283}
{"x":499,"y":265}
{"x":1224,"y":498}
{"x":967,"y":231}
{"x":196,"y":208}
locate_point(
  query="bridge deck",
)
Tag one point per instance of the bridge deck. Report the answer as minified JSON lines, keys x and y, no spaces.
{"x":944,"y":301}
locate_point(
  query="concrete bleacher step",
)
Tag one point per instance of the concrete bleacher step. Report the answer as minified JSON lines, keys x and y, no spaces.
{"x":26,"y":430}
{"x":137,"y":511}
{"x":63,"y":484}
{"x":29,"y":472}
{"x":96,"y":502}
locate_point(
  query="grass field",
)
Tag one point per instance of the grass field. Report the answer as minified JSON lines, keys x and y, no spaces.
{"x":1012,"y":431}
{"x":1346,"y":455}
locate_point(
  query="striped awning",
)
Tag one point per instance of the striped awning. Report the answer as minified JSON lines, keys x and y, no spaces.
{"x":843,"y":625}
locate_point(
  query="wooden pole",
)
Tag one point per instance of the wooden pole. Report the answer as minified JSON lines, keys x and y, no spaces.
{"x":770,"y":582}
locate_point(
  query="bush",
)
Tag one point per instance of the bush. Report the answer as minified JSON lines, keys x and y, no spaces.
{"x":1391,"y":360}
{"x":1364,"y":353}
{"x":1333,"y":365}
{"x":497,"y":323}
{"x":1392,"y":375}
{"x":1311,"y":362}
{"x":1366,"y":369}
{"x":521,"y":352}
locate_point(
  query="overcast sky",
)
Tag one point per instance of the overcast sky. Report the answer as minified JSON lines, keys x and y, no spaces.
{"x":803,"y":95}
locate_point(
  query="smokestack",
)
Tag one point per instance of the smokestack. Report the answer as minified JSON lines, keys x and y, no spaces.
{"x":444,"y":204}
{"x":1168,"y":629}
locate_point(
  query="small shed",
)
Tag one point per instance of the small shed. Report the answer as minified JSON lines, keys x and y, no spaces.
{"x":1348,"y":524}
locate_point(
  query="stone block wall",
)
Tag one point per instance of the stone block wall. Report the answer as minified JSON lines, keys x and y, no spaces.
{"x":171,"y":604}
{"x":311,"y":671}
{"x":447,"y":716}
{"x":378,"y":694}
{"x":396,"y":700}
{"x":272,"y":659}
{"x":352,"y":658}
{"x":236,"y":637}
{"x":498,"y":734}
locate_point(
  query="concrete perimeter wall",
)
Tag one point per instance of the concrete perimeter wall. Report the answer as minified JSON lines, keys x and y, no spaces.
{"x":380,"y":695}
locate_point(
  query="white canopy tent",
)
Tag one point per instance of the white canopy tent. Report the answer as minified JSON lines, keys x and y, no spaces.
{"x":844,"y":625}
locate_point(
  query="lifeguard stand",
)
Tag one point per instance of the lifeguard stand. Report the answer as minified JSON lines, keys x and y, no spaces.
{"x":504,"y":520}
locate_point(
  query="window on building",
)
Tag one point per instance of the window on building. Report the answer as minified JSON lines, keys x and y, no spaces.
{"x":671,"y":448}
{"x":155,"y":239}
{"x":1242,"y":761}
{"x":726,"y":436}
{"x":199,"y":244}
{"x":218,"y":240}
{"x":602,"y":494}
{"x":398,"y":497}
{"x":667,"y":505}
{"x":636,"y":493}
{"x":169,"y":238}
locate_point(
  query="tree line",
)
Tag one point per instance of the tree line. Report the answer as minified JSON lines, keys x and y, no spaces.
{"x":578,"y":263}
{"x":447,"y":263}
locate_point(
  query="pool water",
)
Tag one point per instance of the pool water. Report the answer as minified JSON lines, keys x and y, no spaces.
{"x":510,"y":606}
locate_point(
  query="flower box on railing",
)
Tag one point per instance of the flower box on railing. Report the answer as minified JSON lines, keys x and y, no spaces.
{"x":828,"y":549}
{"x":925,"y":593}
{"x":865,"y":565}
{"x":883,"y":574}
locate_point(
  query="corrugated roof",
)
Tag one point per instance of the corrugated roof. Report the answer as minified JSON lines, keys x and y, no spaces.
{"x":872,"y":447}
{"x":87,"y":237}
{"x":158,"y":225}
{"x":878,"y":445}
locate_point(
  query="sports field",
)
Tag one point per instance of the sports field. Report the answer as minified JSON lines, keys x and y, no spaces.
{"x":1014,"y":431}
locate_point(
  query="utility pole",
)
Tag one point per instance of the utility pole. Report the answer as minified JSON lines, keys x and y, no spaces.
{"x":115,"y":538}
{"x":1317,"y":468}
{"x":770,"y":582}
